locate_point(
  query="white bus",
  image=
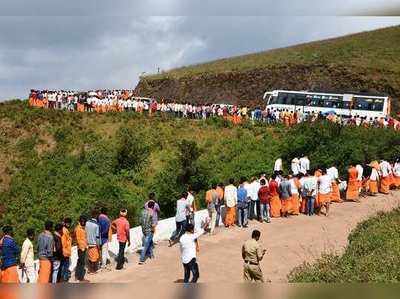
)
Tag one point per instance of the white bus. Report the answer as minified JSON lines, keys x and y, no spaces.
{"x":362,"y":105}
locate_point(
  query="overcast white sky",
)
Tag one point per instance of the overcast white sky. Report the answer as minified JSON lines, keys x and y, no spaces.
{"x":96,"y":44}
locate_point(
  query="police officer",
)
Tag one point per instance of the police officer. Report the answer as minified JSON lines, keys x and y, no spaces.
{"x":252,"y":254}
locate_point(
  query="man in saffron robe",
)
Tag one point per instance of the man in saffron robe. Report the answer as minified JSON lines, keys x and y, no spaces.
{"x":45,"y":252}
{"x":285,"y":194}
{"x":275,"y":203}
{"x":295,"y":198}
{"x":352,"y":184}
{"x":385,"y":178}
{"x":334,"y":174}
{"x":324,"y":192}
{"x":9,"y":257}
{"x":373,"y":182}
{"x":230,"y":197}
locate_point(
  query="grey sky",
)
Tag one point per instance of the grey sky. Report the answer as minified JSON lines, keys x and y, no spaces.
{"x":111,"y":49}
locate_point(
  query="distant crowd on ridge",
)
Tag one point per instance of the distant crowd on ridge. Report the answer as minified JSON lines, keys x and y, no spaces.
{"x":102,"y":101}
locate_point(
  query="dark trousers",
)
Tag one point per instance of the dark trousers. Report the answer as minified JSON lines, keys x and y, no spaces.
{"x":218,"y":209}
{"x":121,"y":256}
{"x":65,"y":274}
{"x":180,"y":230}
{"x":255,"y":205}
{"x":193,"y":267}
{"x":80,"y":265}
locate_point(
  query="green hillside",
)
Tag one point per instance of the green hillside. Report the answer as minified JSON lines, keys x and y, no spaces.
{"x":55,"y":164}
{"x":372,"y":256}
{"x":365,"y":61}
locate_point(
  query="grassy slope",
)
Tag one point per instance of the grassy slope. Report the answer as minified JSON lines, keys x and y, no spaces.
{"x":372,"y":255}
{"x":374,"y":50}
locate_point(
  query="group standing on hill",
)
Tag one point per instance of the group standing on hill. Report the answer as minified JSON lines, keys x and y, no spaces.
{"x":102,"y":101}
{"x":261,"y":198}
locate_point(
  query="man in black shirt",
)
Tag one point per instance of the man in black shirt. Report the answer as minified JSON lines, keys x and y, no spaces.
{"x":58,"y":252}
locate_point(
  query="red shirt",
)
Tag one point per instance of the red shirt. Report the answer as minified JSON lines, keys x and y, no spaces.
{"x":263,"y":194}
{"x":273,"y":189}
{"x":122,"y":225}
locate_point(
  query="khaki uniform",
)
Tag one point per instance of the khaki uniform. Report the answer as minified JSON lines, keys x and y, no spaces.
{"x":252,"y":256}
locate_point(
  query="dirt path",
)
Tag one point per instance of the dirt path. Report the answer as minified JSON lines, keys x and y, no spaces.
{"x":289,"y":242}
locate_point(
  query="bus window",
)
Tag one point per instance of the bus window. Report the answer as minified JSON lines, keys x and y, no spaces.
{"x":362,"y":103}
{"x":346,"y":105}
{"x":282,"y":98}
{"x":300,"y":100}
{"x":328,"y":103}
{"x":378,"y":105}
{"x":273,"y":100}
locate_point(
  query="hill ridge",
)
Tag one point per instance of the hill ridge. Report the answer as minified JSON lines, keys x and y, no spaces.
{"x":365,"y":61}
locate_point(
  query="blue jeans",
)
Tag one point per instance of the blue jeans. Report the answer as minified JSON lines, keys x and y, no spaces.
{"x":65,"y":274}
{"x":265,"y":212}
{"x":310,"y":205}
{"x":56,"y":268}
{"x":147,"y":250}
{"x":242,"y":214}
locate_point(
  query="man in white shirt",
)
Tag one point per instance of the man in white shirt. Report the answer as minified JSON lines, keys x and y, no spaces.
{"x":309,"y":187}
{"x":27,"y":258}
{"x":230,"y":198}
{"x":304,"y":164}
{"x":334,"y":174}
{"x":295,"y":166}
{"x":373,"y":182}
{"x":192,"y":205}
{"x":384,"y":167}
{"x":278,"y":165}
{"x":182,"y":208}
{"x":360,"y":171}
{"x":252,"y":192}
{"x":324,"y":191}
{"x":189,"y":248}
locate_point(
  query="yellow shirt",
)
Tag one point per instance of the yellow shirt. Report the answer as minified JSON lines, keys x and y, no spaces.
{"x":80,"y":235}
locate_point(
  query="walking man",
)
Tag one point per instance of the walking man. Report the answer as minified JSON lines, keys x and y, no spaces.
{"x":211,"y":201}
{"x":105,"y":234}
{"x":252,"y":254}
{"x":27,"y":258}
{"x":45,"y":252}
{"x":220,"y":202}
{"x":121,"y":226}
{"x":263,"y":195}
{"x":81,"y":241}
{"x":230,"y":198}
{"x":66,"y":241}
{"x":242,"y":204}
{"x":147,"y":225}
{"x":93,"y":240}
{"x":9,"y":257}
{"x":189,"y":252}
{"x":58,"y":253}
{"x":182,"y":208}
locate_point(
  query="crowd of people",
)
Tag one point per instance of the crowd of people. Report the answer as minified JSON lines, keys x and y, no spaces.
{"x":301,"y":190}
{"x":102,"y":101}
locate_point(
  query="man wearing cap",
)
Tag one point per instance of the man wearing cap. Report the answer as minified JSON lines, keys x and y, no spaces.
{"x":252,"y":254}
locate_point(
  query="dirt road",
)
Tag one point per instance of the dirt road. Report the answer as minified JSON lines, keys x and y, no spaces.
{"x":289,"y":242}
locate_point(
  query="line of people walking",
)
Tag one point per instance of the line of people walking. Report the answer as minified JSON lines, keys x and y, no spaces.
{"x":260,"y":198}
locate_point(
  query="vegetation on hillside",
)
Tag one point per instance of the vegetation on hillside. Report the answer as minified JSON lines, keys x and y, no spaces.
{"x":55,"y":164}
{"x":372,"y":255}
{"x":373,"y":50}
